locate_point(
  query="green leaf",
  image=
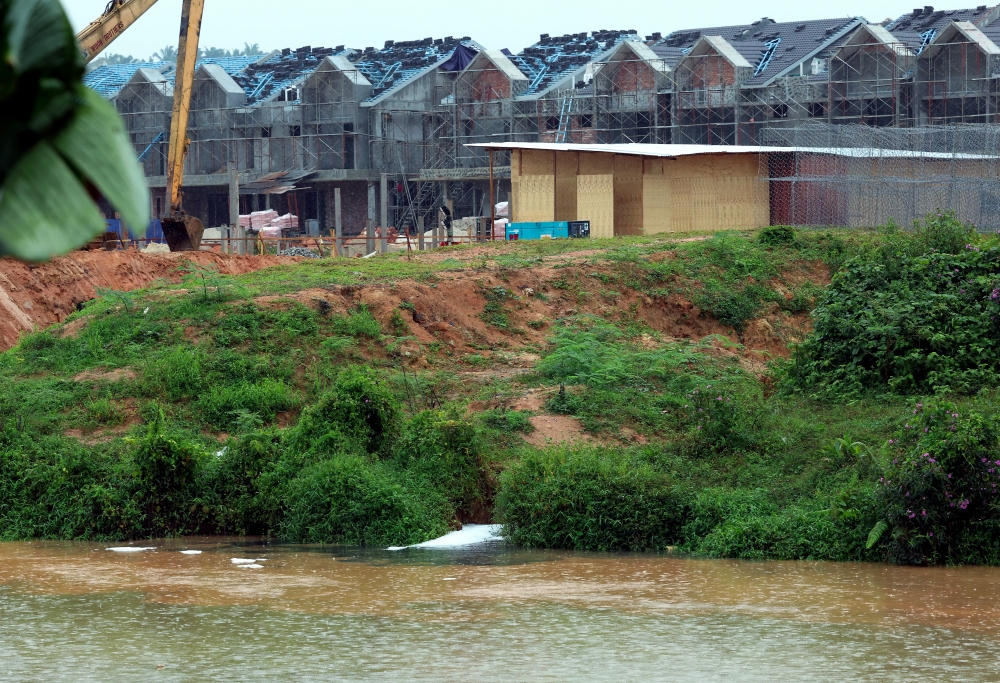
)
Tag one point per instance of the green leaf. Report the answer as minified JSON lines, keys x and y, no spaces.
{"x":876,"y":534}
{"x":44,"y":209}
{"x":38,"y":36}
{"x":96,"y":145}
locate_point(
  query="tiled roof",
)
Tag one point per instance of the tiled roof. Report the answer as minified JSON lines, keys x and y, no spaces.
{"x":265,"y":81}
{"x":554,"y":58}
{"x":770,"y":47}
{"x":917,"y":28}
{"x":398,"y":63}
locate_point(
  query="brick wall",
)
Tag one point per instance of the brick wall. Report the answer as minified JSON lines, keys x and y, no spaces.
{"x":490,"y":85}
{"x":633,"y":76}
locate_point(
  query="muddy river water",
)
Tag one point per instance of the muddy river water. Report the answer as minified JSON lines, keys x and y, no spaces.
{"x":78,"y":612}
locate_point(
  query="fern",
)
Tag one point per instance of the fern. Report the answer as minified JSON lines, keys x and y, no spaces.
{"x":876,"y":533}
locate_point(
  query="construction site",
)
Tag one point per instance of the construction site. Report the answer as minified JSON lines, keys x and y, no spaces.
{"x":396,"y":131}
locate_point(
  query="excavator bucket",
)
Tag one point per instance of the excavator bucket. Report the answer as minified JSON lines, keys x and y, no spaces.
{"x":183,"y":232}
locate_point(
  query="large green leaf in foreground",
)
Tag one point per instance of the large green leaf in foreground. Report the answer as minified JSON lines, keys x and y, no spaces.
{"x":60,"y":143}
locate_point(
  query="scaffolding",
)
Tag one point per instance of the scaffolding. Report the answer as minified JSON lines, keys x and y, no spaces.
{"x":956,"y":82}
{"x":633,"y":102}
{"x":862,"y":176}
{"x":871,"y":84}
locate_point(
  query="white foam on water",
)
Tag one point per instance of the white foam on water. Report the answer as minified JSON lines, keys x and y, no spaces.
{"x":190,"y":552}
{"x":251,"y":566}
{"x":242,"y":560}
{"x":469,"y":534}
{"x":129,"y":549}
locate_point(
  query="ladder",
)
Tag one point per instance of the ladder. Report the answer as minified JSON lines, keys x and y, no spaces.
{"x":564,"y":118}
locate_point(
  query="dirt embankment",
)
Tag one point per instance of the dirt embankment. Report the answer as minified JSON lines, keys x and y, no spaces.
{"x":35,"y":296}
{"x":453,"y":310}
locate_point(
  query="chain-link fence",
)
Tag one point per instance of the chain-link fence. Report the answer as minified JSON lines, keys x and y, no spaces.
{"x":855,"y":176}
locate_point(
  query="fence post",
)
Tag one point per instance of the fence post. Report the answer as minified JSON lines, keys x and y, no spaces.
{"x":338,"y":225}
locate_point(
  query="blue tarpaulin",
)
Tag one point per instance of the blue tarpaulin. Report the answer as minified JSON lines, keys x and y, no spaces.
{"x":154,"y":233}
{"x":460,"y":58}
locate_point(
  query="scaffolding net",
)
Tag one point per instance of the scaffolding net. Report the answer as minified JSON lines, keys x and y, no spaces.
{"x":862,"y":176}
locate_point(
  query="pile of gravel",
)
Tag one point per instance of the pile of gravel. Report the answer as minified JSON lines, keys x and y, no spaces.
{"x":299,"y":251}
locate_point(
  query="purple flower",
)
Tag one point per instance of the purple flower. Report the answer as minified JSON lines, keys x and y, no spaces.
{"x":931,"y":460}
{"x":931,"y":534}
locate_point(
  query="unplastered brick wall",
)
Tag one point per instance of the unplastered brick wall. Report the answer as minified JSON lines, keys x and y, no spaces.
{"x":633,"y":76}
{"x":490,"y":85}
{"x":712,"y":71}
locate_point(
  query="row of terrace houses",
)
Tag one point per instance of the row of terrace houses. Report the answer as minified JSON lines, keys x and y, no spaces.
{"x":299,"y":123}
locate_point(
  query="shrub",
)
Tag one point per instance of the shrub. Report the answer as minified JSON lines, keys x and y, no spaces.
{"x":357,"y":323}
{"x":508,"y":421}
{"x":349,"y":499}
{"x":908,"y":321}
{"x":589,"y":499}
{"x":235,"y":478}
{"x":941,"y":483}
{"x":224,"y":406}
{"x":359,"y":413}
{"x":164,"y":497}
{"x":442,"y":448}
{"x":776,"y":235}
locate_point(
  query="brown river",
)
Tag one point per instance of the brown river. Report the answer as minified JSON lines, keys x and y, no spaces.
{"x":78,"y":612}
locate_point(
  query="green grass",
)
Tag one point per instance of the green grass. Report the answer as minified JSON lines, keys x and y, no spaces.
{"x":691,"y":449}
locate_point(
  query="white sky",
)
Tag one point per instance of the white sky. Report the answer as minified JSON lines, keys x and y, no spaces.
{"x":513,"y":24}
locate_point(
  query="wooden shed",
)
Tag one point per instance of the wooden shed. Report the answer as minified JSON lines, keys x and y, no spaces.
{"x":638,"y":189}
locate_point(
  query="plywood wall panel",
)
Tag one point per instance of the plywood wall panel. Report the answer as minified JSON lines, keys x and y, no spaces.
{"x":594,"y":163}
{"x":657,"y":204}
{"x":567,"y":164}
{"x":538,"y":162}
{"x":595,"y":202}
{"x":536,"y":198}
{"x":628,"y":195}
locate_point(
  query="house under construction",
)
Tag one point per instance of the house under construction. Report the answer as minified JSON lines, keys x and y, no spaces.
{"x":391,"y":128}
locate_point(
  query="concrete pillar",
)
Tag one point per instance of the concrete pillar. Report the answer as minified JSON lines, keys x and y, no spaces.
{"x":370,"y":226}
{"x":234,"y":208}
{"x":420,"y":232}
{"x":338,"y":224}
{"x":384,"y":192}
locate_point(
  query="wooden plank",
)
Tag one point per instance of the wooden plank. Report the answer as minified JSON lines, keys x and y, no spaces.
{"x":536,"y":198}
{"x":628,"y":195}
{"x":595,"y":200}
{"x":538,"y":162}
{"x":567,"y":164}
{"x":596,"y":163}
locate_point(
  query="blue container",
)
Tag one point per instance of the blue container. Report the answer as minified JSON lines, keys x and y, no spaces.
{"x":535,"y":231}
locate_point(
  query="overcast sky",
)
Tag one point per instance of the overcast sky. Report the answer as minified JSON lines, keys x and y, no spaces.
{"x":513,"y":24}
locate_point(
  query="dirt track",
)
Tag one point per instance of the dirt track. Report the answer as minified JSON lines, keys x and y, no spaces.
{"x":35,"y":296}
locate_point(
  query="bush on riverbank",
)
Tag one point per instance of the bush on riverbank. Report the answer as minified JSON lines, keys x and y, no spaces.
{"x":917,"y":314}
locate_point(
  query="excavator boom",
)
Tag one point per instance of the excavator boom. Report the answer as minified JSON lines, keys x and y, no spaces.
{"x":117,"y":17}
{"x":182,"y":232}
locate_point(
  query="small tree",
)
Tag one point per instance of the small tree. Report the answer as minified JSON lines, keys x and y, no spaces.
{"x":61,"y":144}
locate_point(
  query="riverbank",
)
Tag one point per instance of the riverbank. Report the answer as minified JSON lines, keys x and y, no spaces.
{"x":635,"y":395}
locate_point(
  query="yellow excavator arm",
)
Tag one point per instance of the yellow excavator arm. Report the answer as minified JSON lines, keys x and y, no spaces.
{"x":117,"y":17}
{"x":182,"y":232}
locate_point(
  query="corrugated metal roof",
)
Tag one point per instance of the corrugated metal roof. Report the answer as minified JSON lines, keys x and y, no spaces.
{"x":670,"y":151}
